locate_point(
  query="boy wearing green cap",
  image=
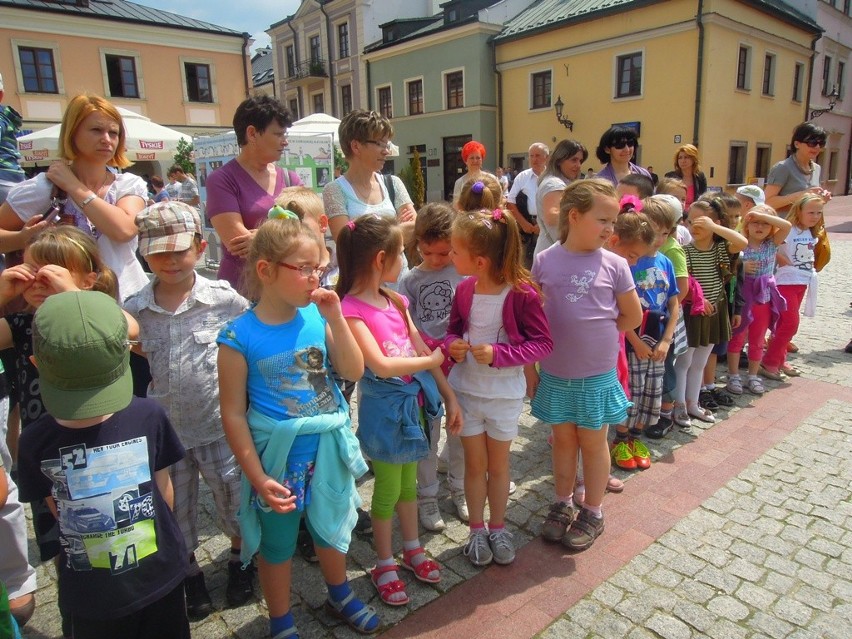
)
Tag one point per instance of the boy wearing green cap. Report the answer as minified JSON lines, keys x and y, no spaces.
{"x":180,"y":313}
{"x":103,"y":458}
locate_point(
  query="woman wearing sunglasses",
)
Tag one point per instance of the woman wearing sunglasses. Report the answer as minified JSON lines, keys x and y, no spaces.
{"x":688,"y":169}
{"x":790,"y":179}
{"x":615,"y":151}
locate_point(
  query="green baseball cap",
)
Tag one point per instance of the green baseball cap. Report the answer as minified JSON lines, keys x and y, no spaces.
{"x":82,"y":354}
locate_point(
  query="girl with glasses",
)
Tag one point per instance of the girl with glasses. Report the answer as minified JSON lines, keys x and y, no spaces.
{"x":799,"y":174}
{"x":616,"y":150}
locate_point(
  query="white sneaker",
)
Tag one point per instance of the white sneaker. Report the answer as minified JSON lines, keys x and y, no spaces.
{"x":461,"y":505}
{"x":443,"y":465}
{"x":430,"y":515}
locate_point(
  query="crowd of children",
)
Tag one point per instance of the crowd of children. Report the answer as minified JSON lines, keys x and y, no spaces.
{"x":613,"y":326}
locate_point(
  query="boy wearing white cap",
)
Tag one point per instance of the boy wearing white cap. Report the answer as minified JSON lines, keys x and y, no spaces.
{"x":180,"y":314}
{"x":102,"y":457}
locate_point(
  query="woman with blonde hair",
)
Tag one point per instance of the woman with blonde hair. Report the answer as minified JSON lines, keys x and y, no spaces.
{"x":687,"y":168}
{"x":81,"y":189}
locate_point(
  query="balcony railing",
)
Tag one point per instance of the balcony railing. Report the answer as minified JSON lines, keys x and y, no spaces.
{"x":312,"y":68}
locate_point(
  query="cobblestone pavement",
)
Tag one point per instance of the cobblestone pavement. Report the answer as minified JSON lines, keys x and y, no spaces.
{"x":756,"y":545}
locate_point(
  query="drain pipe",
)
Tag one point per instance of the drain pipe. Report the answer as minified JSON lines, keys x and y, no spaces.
{"x":696,"y":118}
{"x":499,"y":110}
{"x":807,"y":99}
{"x":330,"y":65}
{"x":246,"y":62}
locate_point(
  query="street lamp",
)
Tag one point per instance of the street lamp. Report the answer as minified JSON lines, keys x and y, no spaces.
{"x":832,"y":102}
{"x":568,"y":124}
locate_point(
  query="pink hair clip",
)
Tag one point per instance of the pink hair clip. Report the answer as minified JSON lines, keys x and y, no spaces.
{"x":497,"y":215}
{"x":631,"y":203}
{"x":351,"y":225}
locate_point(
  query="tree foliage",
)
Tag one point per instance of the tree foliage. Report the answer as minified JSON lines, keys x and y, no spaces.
{"x":412,"y":176}
{"x":183,"y":156}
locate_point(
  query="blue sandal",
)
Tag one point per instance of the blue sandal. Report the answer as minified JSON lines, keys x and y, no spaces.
{"x":360,"y":620}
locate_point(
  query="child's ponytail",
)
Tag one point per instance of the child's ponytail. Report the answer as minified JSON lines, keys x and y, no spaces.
{"x":358,"y":243}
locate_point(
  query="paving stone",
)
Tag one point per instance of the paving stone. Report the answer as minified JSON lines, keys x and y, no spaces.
{"x":793,"y":611}
{"x":669,"y":627}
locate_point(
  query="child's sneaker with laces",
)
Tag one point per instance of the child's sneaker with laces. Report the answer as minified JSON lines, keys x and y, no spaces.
{"x":622,"y":455}
{"x":641,"y":454}
{"x":502,"y":548}
{"x":477,"y":548}
{"x":430,"y":515}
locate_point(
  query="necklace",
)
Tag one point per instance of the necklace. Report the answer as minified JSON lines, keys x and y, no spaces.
{"x":808,"y":171}
{"x":97,"y":191}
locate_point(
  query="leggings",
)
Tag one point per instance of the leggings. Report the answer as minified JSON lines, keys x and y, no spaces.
{"x":394,"y":483}
{"x":787,"y":326}
{"x":756,"y":331}
{"x":278,"y":533}
{"x":689,"y":369}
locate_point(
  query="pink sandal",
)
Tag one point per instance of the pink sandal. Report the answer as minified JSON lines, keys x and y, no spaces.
{"x":423,"y":569}
{"x":390,"y":588}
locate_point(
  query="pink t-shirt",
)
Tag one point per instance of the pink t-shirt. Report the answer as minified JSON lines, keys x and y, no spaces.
{"x":231,"y":190}
{"x":579,"y":291}
{"x":387,"y":326}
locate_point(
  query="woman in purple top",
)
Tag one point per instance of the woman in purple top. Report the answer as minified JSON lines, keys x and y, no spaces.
{"x":615,"y":151}
{"x":240,"y":194}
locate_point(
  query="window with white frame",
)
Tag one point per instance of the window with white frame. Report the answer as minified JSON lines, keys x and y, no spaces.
{"x":198,"y":81}
{"x":121,"y":73}
{"x":414,"y":90}
{"x":769,"y":74}
{"x":744,"y":68}
{"x":628,"y":75}
{"x":541,"y":89}
{"x":385,"y":101}
{"x":454,"y":87}
{"x":343,"y":40}
{"x":737,"y":162}
{"x":798,"y":81}
{"x":38,"y":69}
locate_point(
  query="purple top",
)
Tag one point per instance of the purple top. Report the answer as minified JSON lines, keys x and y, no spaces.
{"x":524,"y":323}
{"x":607,"y":173}
{"x":580,"y":293}
{"x":230,"y":189}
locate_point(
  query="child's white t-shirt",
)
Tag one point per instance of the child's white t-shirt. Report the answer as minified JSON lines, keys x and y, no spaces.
{"x":799,"y":249}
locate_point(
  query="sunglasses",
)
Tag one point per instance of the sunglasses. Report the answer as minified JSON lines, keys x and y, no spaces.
{"x":623,"y":143}
{"x":815,"y":142}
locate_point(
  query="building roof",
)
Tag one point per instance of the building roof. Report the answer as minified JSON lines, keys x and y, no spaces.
{"x":262,"y":70}
{"x":549,"y":14}
{"x":120,"y":11}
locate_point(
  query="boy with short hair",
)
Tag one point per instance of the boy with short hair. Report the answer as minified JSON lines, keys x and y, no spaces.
{"x":180,"y":314}
{"x":102,"y":457}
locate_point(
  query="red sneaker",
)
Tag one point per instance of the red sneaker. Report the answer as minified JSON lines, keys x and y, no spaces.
{"x":622,"y":455}
{"x":641,"y":454}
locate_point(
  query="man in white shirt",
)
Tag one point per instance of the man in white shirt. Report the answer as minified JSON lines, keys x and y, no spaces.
{"x":526,"y":182}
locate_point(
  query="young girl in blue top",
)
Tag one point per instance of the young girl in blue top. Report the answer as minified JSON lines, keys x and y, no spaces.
{"x":292,"y":437}
{"x":497,"y":328}
{"x":400,"y":393}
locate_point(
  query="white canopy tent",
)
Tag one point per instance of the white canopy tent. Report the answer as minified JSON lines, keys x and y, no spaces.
{"x":146,"y":141}
{"x":322,"y":123}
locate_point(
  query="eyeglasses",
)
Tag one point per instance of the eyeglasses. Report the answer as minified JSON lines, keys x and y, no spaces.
{"x":383,"y":146}
{"x":623,"y":143}
{"x":815,"y":142}
{"x":306,"y":271}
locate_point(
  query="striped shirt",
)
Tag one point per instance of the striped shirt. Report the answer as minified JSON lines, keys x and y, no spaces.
{"x":706,"y":267}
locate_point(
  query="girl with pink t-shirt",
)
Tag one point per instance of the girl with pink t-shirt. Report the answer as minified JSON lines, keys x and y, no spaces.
{"x":400,"y":393}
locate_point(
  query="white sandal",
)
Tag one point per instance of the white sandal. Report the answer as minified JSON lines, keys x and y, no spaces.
{"x":700,"y":414}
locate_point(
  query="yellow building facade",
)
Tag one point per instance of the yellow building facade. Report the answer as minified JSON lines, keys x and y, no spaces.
{"x":638,"y":63}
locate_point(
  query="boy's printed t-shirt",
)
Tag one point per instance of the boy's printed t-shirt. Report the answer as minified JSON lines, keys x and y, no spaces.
{"x":430,"y":298}
{"x":288,"y":370}
{"x":655,"y":281}
{"x":121,"y":546}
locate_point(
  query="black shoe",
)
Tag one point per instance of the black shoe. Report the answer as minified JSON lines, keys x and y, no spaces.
{"x":848,"y":348}
{"x":660,"y":429}
{"x":198,"y":602}
{"x":722,"y":397}
{"x":240,"y":582}
{"x":305,"y":544}
{"x":705,"y":400}
{"x":364,"y":525}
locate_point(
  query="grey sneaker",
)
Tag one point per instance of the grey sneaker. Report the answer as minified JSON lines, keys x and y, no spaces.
{"x":460,"y":503}
{"x":558,"y":519}
{"x":502,"y":548}
{"x":430,"y":516}
{"x":477,"y":549}
{"x":583,"y":531}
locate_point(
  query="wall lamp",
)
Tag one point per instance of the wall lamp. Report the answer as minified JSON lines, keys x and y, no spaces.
{"x":568,"y":124}
{"x":832,"y":102}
